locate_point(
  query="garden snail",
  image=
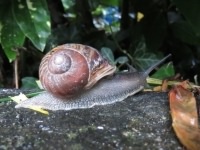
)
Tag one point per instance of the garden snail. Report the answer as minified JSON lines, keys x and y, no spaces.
{"x":96,"y":91}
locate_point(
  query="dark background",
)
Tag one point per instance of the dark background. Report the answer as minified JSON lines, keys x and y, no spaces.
{"x":167,"y":26}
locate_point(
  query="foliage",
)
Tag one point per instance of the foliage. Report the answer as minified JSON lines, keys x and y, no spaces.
{"x":20,"y":19}
{"x":125,"y":31}
{"x":29,"y":83}
{"x":164,"y":72}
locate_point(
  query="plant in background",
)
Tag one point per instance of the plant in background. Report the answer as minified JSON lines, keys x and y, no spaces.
{"x":20,"y":20}
{"x":116,"y":25}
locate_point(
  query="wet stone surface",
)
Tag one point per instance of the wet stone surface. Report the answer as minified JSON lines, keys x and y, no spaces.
{"x":142,"y":121}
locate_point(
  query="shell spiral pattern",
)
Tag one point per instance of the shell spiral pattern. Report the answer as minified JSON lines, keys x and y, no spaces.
{"x":72,"y":68}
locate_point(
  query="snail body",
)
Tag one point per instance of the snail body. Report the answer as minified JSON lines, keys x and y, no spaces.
{"x":108,"y":90}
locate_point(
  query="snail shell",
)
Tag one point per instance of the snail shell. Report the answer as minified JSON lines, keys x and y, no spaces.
{"x":108,"y":90}
{"x":72,"y":68}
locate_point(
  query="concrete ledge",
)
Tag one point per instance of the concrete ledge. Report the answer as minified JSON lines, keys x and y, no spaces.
{"x":142,"y":121}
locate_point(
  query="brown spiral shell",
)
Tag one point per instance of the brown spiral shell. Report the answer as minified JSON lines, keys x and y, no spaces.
{"x":71,"y":68}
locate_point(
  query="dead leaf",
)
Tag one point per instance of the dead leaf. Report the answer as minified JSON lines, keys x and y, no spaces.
{"x":22,"y":97}
{"x":165,"y":85}
{"x":184,"y":116}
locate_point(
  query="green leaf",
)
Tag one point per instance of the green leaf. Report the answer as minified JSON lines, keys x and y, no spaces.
{"x":108,"y":54}
{"x":165,"y":71}
{"x":29,"y":83}
{"x":142,"y":58}
{"x":121,"y":60}
{"x":33,"y":19}
{"x":190,"y":9}
{"x":11,"y":35}
{"x":110,"y":2}
{"x":3,"y":9}
{"x":67,"y":3}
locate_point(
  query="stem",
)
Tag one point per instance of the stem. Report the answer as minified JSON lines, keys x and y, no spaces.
{"x":6,"y":93}
{"x":117,"y":44}
{"x":16,"y":73}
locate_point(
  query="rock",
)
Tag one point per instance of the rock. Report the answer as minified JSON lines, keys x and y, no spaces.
{"x":142,"y":121}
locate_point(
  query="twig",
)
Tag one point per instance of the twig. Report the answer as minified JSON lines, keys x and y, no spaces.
{"x":16,"y":73}
{"x":117,"y":44}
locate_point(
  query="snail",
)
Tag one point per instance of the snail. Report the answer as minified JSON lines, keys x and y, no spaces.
{"x":102,"y":86}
